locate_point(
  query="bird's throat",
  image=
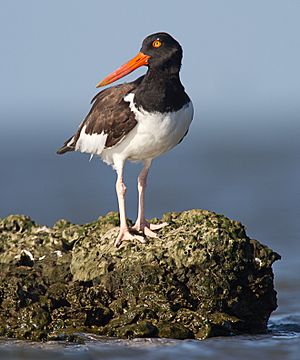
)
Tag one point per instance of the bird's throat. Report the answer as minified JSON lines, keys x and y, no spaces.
{"x":161,"y":91}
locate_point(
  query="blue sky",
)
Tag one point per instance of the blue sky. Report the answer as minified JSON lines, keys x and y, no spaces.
{"x":238,"y":55}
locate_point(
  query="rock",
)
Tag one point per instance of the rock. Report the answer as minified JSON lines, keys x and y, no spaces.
{"x":25,"y":258}
{"x":204,"y":277}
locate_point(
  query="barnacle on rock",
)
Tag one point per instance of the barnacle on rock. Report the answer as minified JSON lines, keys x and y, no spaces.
{"x":204,"y":277}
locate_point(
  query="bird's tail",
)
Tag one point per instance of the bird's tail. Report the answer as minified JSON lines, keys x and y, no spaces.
{"x":67,"y":146}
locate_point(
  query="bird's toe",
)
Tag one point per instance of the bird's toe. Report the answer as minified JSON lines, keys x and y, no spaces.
{"x":147,"y":229}
{"x":125,"y":234}
{"x":158,"y":226}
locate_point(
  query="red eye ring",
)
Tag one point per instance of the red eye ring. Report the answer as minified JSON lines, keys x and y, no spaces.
{"x":156,"y":43}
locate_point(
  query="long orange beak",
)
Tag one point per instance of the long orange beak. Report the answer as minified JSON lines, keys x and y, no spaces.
{"x":139,"y":60}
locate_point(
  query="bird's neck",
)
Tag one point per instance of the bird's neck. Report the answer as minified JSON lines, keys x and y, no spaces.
{"x":161,"y":90}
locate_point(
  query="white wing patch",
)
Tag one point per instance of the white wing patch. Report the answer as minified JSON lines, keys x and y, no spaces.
{"x":91,"y":143}
{"x":70,"y":142}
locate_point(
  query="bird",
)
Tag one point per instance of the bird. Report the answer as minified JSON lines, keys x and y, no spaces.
{"x":137,"y":121}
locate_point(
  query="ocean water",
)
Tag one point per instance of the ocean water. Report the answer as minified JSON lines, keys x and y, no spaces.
{"x":282,"y":342}
{"x":244,"y":166}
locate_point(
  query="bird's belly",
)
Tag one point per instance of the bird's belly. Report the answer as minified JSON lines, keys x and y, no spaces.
{"x":154,"y":135}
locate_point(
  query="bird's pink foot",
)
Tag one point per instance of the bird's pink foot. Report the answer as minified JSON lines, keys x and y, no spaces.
{"x":147,"y":229}
{"x":125,"y":234}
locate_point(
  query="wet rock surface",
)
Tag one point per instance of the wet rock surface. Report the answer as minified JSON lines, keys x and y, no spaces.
{"x":204,"y":277}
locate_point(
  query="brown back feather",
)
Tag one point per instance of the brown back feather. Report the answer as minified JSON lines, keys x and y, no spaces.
{"x":109,"y":114}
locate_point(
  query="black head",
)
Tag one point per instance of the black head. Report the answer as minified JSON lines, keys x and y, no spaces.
{"x":163,"y":51}
{"x":159,"y":51}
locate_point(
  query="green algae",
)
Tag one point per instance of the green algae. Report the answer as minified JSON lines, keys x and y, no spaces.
{"x":204,"y":277}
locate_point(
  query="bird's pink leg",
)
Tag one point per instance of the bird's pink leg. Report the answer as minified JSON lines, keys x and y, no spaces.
{"x":141,"y":223}
{"x":124,"y":233}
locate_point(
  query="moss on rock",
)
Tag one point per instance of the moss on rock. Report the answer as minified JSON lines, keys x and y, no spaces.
{"x":204,"y":277}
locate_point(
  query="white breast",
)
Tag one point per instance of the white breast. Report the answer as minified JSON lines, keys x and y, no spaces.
{"x":154,"y":134}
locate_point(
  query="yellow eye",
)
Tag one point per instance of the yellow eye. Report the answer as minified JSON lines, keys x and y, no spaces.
{"x":156,"y":43}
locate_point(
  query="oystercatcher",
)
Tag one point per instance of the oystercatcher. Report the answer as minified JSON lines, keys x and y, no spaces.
{"x":137,"y":121}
